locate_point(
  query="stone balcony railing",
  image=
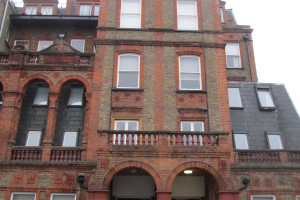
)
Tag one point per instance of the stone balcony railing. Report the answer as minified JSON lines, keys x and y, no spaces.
{"x":164,"y":139}
{"x":267,"y":156}
{"x":57,"y":154}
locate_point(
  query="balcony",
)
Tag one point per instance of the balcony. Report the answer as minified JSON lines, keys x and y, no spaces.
{"x":56,"y":14}
{"x":267,"y":156}
{"x":161,"y":141}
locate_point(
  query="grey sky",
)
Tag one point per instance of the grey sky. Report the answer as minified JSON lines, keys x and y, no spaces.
{"x":276,"y":43}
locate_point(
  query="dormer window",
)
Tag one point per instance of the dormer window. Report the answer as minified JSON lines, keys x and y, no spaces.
{"x":31,"y":10}
{"x":41,"y":96}
{"x":265,"y":98}
{"x":47,"y":10}
{"x":76,"y":96}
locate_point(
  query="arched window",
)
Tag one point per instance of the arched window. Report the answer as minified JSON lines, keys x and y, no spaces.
{"x":70,"y":115}
{"x":34,"y":115}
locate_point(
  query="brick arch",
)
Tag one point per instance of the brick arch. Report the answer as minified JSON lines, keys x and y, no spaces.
{"x":128,"y":164}
{"x":73,"y":78}
{"x":4,"y":84}
{"x":32,"y":78}
{"x":198,"y":165}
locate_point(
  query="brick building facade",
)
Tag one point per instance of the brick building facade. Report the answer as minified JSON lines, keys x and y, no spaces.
{"x":128,"y":99}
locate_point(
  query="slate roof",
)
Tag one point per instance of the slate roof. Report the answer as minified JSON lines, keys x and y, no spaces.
{"x":256,"y":122}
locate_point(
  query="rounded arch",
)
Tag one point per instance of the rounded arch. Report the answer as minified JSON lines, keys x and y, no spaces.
{"x":36,"y":77}
{"x":73,"y":78}
{"x":4,"y":84}
{"x":128,"y":164}
{"x":198,"y":165}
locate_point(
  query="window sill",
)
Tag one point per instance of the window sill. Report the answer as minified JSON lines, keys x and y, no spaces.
{"x":232,"y":68}
{"x":236,"y":108}
{"x":128,"y":89}
{"x":191,"y":91}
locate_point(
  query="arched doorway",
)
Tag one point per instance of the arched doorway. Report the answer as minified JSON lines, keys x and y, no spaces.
{"x":132,"y":184}
{"x":194,"y":184}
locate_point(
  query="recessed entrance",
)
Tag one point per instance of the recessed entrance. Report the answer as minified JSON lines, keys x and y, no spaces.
{"x":132,"y":184}
{"x":194,"y":184}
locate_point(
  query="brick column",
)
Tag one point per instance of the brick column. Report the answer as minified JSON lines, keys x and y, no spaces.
{"x":50,"y":128}
{"x":98,"y":195}
{"x":228,"y":196}
{"x":9,"y":119}
{"x":86,"y":124}
{"x":162,"y":195}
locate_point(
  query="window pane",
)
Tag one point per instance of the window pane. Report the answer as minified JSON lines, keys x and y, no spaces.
{"x":33,"y":138}
{"x":131,"y":6}
{"x":41,"y":97}
{"x":241,"y":141}
{"x":189,"y":64}
{"x":232,"y":49}
{"x":186,"y":126}
{"x":187,"y":8}
{"x":76,"y":96}
{"x":78,"y":45}
{"x":132,"y":125}
{"x":22,"y":42}
{"x":129,"y":62}
{"x":47,"y":10}
{"x":128,"y":79}
{"x":120,"y":125}
{"x":263,"y":198}
{"x":85,"y":10}
{"x":130,"y":21}
{"x":222,"y":15}
{"x":96,"y":10}
{"x":43,"y":44}
{"x":187,"y":23}
{"x":23,"y":196}
{"x":234,"y":97}
{"x":275,"y":142}
{"x":233,"y":62}
{"x":198,"y":126}
{"x":190,"y":85}
{"x":64,"y":197}
{"x":31,"y":10}
{"x":70,"y":139}
{"x":265,"y":98}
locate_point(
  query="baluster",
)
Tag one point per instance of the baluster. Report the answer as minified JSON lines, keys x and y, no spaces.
{"x":112,"y":138}
{"x":152,"y":139}
{"x":127,"y":139}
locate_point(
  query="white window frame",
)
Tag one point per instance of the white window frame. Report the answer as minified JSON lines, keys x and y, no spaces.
{"x":222,"y":15}
{"x":36,"y":95}
{"x":180,"y":71}
{"x":239,"y":94}
{"x":192,"y":125}
{"x":45,"y":11}
{"x":85,"y":14}
{"x":96,"y":11}
{"x":62,"y":194}
{"x":83,"y":48}
{"x":235,"y":141}
{"x":139,"y":24}
{"x":39,"y":44}
{"x":31,"y":13}
{"x":269,"y":142}
{"x":139,"y":69}
{"x":263,"y":195}
{"x":72,"y":87}
{"x":27,"y":139}
{"x":76,"y":138}
{"x":267,"y":90}
{"x":239,"y":55}
{"x":13,"y":193}
{"x":196,"y":17}
{"x":126,"y":124}
{"x":15,"y":43}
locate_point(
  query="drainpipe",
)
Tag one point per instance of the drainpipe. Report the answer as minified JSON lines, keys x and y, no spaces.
{"x":246,"y":38}
{"x":4,"y":17}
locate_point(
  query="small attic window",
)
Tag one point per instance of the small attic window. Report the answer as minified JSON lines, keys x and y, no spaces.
{"x":43,"y":44}
{"x":78,"y":44}
{"x":265,"y":99}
